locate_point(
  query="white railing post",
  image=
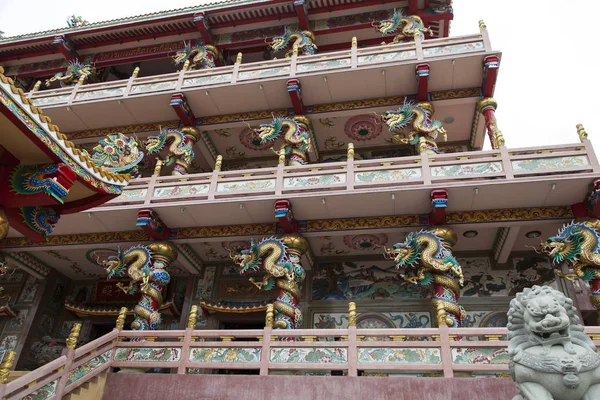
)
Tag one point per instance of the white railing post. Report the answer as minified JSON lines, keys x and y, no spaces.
{"x":506,"y":163}
{"x":446,"y":352}
{"x":419,"y":48}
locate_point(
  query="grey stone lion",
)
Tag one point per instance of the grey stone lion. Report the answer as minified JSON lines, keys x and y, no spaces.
{"x":550,"y":356}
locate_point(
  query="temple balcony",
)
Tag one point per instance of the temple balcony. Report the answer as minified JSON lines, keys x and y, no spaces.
{"x":461,"y":353}
{"x":350,"y":75}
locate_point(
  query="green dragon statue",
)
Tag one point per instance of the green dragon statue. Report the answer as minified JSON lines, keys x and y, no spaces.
{"x":296,"y":137}
{"x":118,"y":153}
{"x":279,"y":259}
{"x":304,"y":41}
{"x":578,"y":245}
{"x":145,"y":266}
{"x":179,"y":144}
{"x":76,"y":73}
{"x":424,"y":129}
{"x":425,"y":258}
{"x":411,"y":27}
{"x":196,"y":57}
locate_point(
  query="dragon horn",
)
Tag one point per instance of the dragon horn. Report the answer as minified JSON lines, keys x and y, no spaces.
{"x":249,"y":126}
{"x":534,"y":249}
{"x":373,"y":22}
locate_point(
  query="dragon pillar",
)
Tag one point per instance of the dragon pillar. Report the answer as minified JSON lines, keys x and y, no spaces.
{"x":577,"y":245}
{"x":279,"y":260}
{"x":179,"y":145}
{"x":145,"y":266}
{"x":296,"y":132}
{"x":425,"y":258}
{"x":488,"y":107}
{"x":410,"y":27}
{"x":303,"y":42}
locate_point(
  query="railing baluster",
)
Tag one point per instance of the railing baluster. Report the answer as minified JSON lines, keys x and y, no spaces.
{"x":446,"y":352}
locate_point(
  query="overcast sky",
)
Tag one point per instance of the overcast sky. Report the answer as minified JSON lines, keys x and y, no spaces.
{"x":548,"y":80}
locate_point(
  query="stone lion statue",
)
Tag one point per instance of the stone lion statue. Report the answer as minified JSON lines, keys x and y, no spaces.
{"x":550,"y":355}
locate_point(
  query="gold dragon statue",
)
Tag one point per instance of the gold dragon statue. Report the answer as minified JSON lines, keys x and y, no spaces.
{"x":196,"y":57}
{"x":296,"y":137}
{"x":145,"y":266}
{"x":76,"y":73}
{"x":304,"y":42}
{"x":411,"y":27}
{"x":180,"y":148}
{"x":425,"y":258}
{"x":425,"y":130}
{"x":279,"y":260}
{"x":577,"y":245}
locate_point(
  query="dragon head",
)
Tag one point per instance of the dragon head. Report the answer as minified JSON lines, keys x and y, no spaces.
{"x":406,"y":257}
{"x":398,"y":119}
{"x":78,"y":68}
{"x":567,"y":246}
{"x":154,"y":144}
{"x":270,"y":132}
{"x":114,"y":265}
{"x":280,"y":42}
{"x":40,"y":219}
{"x":388,"y":26}
{"x":183,"y":55}
{"x":247,"y":259}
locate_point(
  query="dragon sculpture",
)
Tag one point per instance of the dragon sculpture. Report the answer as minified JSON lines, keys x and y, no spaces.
{"x":179,"y":144}
{"x":118,"y":153}
{"x":304,"y":41}
{"x":424,"y":258}
{"x":279,"y":259}
{"x":410,"y":26}
{"x":48,"y":179}
{"x":145,"y":266}
{"x":196,"y":57}
{"x":40,"y":219}
{"x":550,"y":355}
{"x":424,"y":129}
{"x":76,"y":73}
{"x":578,"y":245}
{"x":296,"y":136}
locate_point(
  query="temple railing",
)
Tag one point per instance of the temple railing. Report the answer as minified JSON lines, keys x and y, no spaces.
{"x":355,"y":176}
{"x":447,"y":352}
{"x":295,"y":66}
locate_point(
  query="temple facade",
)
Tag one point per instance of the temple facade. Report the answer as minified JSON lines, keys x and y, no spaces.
{"x":273,"y":188}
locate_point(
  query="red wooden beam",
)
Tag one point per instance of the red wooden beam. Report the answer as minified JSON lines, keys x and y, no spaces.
{"x":413,"y":5}
{"x":422,"y":71}
{"x":182,"y":109}
{"x":439,"y":202}
{"x":300,"y":7}
{"x":295,"y":92}
{"x":203,"y":28}
{"x":490,"y":74}
{"x":65,"y":47}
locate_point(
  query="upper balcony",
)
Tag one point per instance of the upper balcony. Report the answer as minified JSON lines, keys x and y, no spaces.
{"x":350,"y":75}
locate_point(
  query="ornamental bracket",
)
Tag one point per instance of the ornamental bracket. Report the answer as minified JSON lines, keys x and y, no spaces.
{"x":490,"y":74}
{"x":182,"y":109}
{"x":422,"y":72}
{"x":285,"y":216}
{"x":203,"y":28}
{"x":300,"y":7}
{"x":590,"y":206}
{"x":65,"y":47}
{"x":295,"y":91}
{"x":439,"y":202}
{"x":151,"y":223}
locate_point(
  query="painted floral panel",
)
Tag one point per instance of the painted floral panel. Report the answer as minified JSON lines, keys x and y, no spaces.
{"x":545,"y":164}
{"x":152,"y":87}
{"x":221,"y":354}
{"x":315,"y":180}
{"x":481,"y":355}
{"x":334,"y":355}
{"x":132,"y":194}
{"x":321,"y":65}
{"x":246,"y":186}
{"x":43,"y":393}
{"x":204,"y":289}
{"x":386,"y":57}
{"x":44,"y":101}
{"x":399,"y":355}
{"x":388,"y":175}
{"x":452,"y":49}
{"x":98,"y":94}
{"x":467,"y":169}
{"x":261,"y":73}
{"x":88,"y":367}
{"x":208,"y":80}
{"x":180,"y":190}
{"x":148,"y":354}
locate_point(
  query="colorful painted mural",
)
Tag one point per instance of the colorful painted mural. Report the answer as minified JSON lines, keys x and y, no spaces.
{"x":373,"y":320}
{"x":204,"y":287}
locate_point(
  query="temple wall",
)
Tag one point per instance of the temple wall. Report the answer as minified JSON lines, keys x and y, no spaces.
{"x":234,"y":387}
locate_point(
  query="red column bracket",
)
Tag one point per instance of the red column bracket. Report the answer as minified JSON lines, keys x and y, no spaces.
{"x":302,"y":14}
{"x":295,"y":91}
{"x":203,"y":28}
{"x":151,"y":223}
{"x":422,"y":71}
{"x":590,"y":206}
{"x":183,"y":110}
{"x":490,"y":74}
{"x":65,"y":47}
{"x":439,"y":202}
{"x":285,"y":216}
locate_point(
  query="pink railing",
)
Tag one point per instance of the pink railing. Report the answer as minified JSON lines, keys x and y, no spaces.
{"x":352,"y":176}
{"x":439,"y":351}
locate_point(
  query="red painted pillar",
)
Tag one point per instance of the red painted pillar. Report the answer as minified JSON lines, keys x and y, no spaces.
{"x":488,"y":107}
{"x":422,"y":71}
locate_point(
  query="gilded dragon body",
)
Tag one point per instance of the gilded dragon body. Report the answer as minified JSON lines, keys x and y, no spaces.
{"x":424,"y":258}
{"x":76,"y":73}
{"x":196,"y":57}
{"x":424,"y":129}
{"x":296,"y":137}
{"x":179,"y":144}
{"x":578,"y":245}
{"x":145,"y":267}
{"x":410,"y":27}
{"x":304,"y":41}
{"x":280,"y":262}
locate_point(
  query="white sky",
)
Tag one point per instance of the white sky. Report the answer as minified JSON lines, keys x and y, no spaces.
{"x":548,"y":80}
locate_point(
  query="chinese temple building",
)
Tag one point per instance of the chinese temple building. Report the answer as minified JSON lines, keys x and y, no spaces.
{"x":254,"y":196}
